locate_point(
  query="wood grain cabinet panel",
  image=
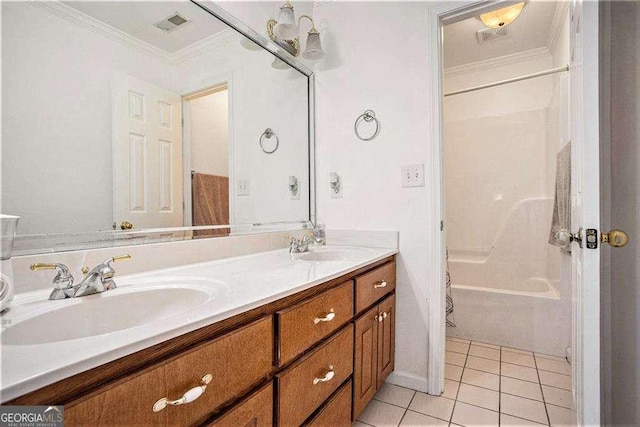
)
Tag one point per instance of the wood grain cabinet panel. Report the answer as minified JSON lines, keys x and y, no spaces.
{"x":374,"y":285}
{"x":365,"y":366}
{"x":336,"y":412}
{"x":386,"y":338}
{"x":254,"y":411}
{"x":236,"y":361}
{"x":305,"y":385}
{"x":302,"y":325}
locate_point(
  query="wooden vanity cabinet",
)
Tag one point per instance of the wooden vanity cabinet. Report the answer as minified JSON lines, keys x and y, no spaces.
{"x":373,"y":352}
{"x":300,"y":360}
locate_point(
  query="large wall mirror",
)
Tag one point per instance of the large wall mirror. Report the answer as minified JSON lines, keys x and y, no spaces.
{"x":149,"y":115}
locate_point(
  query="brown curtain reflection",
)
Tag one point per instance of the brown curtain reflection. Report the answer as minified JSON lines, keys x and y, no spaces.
{"x":210,"y":196}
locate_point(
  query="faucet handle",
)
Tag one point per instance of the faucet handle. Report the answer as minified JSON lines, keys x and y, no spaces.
{"x":124,"y":257}
{"x":63,"y":281}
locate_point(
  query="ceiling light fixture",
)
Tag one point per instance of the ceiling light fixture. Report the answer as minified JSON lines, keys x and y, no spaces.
{"x":502,"y":17}
{"x":285,"y":33}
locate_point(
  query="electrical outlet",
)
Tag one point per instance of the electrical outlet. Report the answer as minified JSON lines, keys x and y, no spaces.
{"x":413,"y":175}
{"x":244,"y":187}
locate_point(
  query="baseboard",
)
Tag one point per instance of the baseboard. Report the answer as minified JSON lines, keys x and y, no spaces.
{"x":405,"y":379}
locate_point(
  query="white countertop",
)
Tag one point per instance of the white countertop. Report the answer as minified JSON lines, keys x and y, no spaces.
{"x":241,"y":283}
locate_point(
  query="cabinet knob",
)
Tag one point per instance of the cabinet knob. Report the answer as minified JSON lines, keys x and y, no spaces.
{"x":327,"y":377}
{"x":325,"y":318}
{"x":188,"y":397}
{"x":381,"y":284}
{"x":384,"y":315}
{"x":380,"y":317}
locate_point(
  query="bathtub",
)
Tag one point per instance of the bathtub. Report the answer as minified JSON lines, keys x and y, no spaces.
{"x":510,"y":293}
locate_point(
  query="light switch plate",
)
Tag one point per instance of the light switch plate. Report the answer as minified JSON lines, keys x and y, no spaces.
{"x":413,"y":175}
{"x":244,"y":187}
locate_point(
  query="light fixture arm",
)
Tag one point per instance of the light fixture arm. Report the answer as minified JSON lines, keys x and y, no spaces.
{"x":313,"y":24}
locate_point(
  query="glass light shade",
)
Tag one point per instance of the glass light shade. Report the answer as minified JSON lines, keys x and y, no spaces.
{"x":313,"y":48}
{"x":502,"y":17}
{"x":286,"y":27}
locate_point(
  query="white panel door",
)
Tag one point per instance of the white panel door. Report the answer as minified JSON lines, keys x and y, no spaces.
{"x":585,"y":212}
{"x":147,"y":154}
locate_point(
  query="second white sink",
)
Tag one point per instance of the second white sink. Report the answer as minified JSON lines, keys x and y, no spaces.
{"x":332,"y":254}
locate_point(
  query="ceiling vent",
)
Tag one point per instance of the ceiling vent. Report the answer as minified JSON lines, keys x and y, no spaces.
{"x":172,"y":22}
{"x":491,"y":34}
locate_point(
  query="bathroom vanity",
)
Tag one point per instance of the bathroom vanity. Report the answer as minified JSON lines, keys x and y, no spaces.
{"x":313,"y":352}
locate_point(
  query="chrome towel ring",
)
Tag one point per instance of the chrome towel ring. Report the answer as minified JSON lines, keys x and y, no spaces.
{"x":368,"y":116}
{"x":268,"y":133}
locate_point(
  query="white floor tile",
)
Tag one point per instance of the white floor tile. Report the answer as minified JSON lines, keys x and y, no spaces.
{"x":477,"y":396}
{"x":523,"y":408}
{"x":517,"y":350}
{"x":555,"y":380}
{"x":414,"y":419}
{"x":452,"y":372}
{"x":435,"y":406}
{"x":468,"y":415}
{"x":484,"y":344}
{"x":521,"y":388}
{"x":394,"y":395}
{"x":486,"y":365}
{"x":380,"y":414}
{"x":450,"y":389}
{"x":561,"y":416}
{"x":481,"y":379}
{"x":553,"y":366}
{"x":454,"y":358}
{"x":509,"y":421}
{"x":519,"y":372}
{"x":486,"y":352}
{"x":518,"y":359}
{"x":359,"y":424}
{"x":557,"y":396}
{"x":548,"y":356}
{"x":457,"y":347}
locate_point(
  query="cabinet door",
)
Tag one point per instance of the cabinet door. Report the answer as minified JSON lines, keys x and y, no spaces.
{"x":365,"y":360}
{"x":386,"y":338}
{"x":255,"y":411}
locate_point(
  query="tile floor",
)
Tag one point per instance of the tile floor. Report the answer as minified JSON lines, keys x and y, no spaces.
{"x":485,"y":385}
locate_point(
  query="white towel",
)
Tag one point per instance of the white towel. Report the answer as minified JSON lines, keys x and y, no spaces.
{"x":561,"y":219}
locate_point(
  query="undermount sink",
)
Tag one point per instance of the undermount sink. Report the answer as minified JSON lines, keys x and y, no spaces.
{"x":332,"y":254}
{"x":107,"y":312}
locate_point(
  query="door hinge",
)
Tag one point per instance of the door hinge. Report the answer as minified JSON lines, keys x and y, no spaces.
{"x":591,"y":238}
{"x":441,"y":225}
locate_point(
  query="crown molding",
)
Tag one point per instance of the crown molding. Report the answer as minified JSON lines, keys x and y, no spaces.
{"x":501,"y":61}
{"x":96,"y":26}
{"x":559,"y":16}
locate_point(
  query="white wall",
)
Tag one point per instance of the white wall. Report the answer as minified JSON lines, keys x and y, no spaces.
{"x":209,"y":125}
{"x":373,"y":61}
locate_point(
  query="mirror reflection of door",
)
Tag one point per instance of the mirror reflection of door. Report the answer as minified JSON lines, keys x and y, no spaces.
{"x":147,"y":155}
{"x":207,"y":156}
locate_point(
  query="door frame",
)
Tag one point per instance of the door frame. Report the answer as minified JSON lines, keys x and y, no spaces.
{"x":438,"y":16}
{"x":204,"y":85}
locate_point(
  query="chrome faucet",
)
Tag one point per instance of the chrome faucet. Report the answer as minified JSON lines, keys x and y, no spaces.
{"x":302,"y":245}
{"x":99,"y":279}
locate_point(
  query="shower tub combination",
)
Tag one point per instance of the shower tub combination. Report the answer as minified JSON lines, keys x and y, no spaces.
{"x":510,"y":294}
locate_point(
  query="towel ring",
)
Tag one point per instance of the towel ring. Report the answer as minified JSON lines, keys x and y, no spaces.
{"x":368,"y":116}
{"x":268,"y":133}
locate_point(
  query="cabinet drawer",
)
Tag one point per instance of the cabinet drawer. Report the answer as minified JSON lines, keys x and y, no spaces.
{"x":372,"y":286}
{"x":236,"y":361}
{"x":255,"y":411}
{"x":300,"y":387}
{"x":337,"y":411}
{"x":303,"y":325}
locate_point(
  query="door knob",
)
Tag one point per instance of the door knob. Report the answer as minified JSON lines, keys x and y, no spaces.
{"x":126,"y":225}
{"x":565,"y":237}
{"x":616,"y":238}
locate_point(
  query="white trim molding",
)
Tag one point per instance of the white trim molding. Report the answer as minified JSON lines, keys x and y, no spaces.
{"x":500,"y":61}
{"x":559,"y":16}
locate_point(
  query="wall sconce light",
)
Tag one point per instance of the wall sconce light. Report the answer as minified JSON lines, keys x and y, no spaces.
{"x":293,"y":187}
{"x":502,"y":17}
{"x":285,"y":33}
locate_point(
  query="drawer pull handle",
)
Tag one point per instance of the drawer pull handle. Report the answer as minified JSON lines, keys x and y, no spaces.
{"x":327,"y":377}
{"x":326,"y":318}
{"x":188,"y":397}
{"x":382,"y":284}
